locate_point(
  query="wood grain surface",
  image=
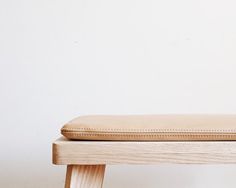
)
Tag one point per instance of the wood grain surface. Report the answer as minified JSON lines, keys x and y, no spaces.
{"x":84,"y":176}
{"x":67,"y":152}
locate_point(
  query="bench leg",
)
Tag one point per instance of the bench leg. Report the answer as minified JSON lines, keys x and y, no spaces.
{"x":84,"y":176}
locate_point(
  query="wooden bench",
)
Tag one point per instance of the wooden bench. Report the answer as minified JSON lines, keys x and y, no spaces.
{"x":86,"y":159}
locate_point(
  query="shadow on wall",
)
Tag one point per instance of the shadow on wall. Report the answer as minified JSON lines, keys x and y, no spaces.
{"x":31,"y":175}
{"x":171,"y":176}
{"x":39,"y":175}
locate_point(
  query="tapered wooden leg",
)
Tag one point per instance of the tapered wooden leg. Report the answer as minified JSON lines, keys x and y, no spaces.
{"x":84,"y":176}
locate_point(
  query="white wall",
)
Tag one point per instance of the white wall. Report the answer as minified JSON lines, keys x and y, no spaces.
{"x":60,"y":59}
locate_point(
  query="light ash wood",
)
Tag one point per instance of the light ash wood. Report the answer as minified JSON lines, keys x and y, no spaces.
{"x":84,"y":176}
{"x":113,"y":152}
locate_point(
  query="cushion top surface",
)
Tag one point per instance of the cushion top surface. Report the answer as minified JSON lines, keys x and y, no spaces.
{"x":151,"y":127}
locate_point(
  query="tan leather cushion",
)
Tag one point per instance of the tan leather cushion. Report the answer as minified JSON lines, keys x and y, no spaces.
{"x":152,"y":127}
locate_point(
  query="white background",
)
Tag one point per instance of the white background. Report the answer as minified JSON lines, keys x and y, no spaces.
{"x":60,"y":59}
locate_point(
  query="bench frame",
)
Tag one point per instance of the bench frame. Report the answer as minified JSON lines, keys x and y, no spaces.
{"x":86,"y":160}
